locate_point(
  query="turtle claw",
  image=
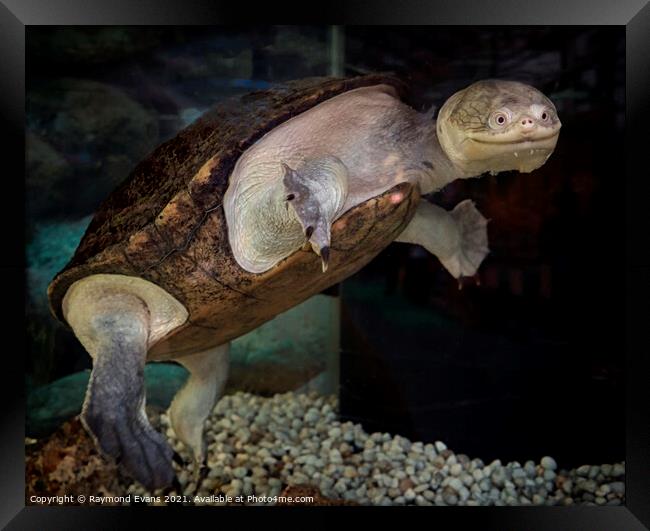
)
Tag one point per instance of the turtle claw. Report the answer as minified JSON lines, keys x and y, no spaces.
{"x":178,"y":459}
{"x":175,"y":486}
{"x":133,"y":444}
{"x":461,"y":281}
{"x":325,"y":257}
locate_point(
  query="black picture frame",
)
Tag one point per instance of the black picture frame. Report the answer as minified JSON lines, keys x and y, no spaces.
{"x":15,"y":15}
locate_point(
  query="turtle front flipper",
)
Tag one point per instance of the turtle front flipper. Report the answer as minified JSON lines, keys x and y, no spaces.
{"x":458,"y":238}
{"x":115,"y":330}
{"x":276,"y":209}
{"x":317,"y":193}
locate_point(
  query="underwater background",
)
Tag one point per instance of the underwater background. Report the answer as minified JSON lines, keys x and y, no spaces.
{"x":528,"y":363}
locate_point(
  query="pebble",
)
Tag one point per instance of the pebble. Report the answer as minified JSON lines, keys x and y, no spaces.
{"x":455,"y":484}
{"x":549,"y":475}
{"x":240,"y":472}
{"x":312,"y":415}
{"x":456,"y":469}
{"x":450,"y":498}
{"x":260,"y":445}
{"x":499,"y":477}
{"x":548,"y":463}
{"x":617,"y":487}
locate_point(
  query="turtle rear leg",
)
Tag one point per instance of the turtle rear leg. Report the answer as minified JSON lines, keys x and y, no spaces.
{"x":457,"y":238}
{"x":115,"y":328}
{"x":194,"y":402}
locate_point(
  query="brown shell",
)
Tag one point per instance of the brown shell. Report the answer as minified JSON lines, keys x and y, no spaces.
{"x":165,"y":223}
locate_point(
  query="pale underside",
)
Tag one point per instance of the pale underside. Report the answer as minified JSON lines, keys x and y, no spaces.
{"x":366,"y":129}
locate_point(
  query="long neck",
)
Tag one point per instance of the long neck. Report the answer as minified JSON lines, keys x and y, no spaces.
{"x":437,"y":169}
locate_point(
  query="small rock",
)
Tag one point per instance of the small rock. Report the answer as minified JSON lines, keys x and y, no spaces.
{"x":618,"y":470}
{"x":529,"y":467}
{"x":240,"y":472}
{"x":406,"y":484}
{"x":548,"y":463}
{"x":450,"y":498}
{"x":549,"y":475}
{"x":518,"y":473}
{"x":589,"y":486}
{"x":617,"y":487}
{"x":485,"y":484}
{"x":340,"y":486}
{"x":603,"y":490}
{"x":498,"y":477}
{"x":394,"y":492}
{"x":538,"y":499}
{"x":312,"y":415}
{"x":334,"y":433}
{"x":455,"y":484}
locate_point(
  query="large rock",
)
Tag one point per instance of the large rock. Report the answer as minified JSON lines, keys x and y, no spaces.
{"x":100,"y":131}
{"x":47,"y":174}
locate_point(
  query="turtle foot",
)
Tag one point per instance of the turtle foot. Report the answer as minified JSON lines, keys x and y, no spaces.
{"x":134,"y":445}
{"x":317,"y":193}
{"x":472,"y":243}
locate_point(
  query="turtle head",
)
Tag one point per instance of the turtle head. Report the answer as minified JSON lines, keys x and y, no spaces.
{"x":496,"y":125}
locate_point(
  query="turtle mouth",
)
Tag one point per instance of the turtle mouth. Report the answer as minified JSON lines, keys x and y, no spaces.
{"x":519,"y":148}
{"x":532,"y":141}
{"x":524,"y":154}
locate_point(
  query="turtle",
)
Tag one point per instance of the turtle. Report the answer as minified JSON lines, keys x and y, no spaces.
{"x":266,"y":199}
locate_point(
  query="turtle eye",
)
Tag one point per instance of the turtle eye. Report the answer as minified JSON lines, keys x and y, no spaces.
{"x":545,"y":116}
{"x":499,"y":119}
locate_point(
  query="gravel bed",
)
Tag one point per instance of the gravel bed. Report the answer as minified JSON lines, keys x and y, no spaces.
{"x":257,"y":446}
